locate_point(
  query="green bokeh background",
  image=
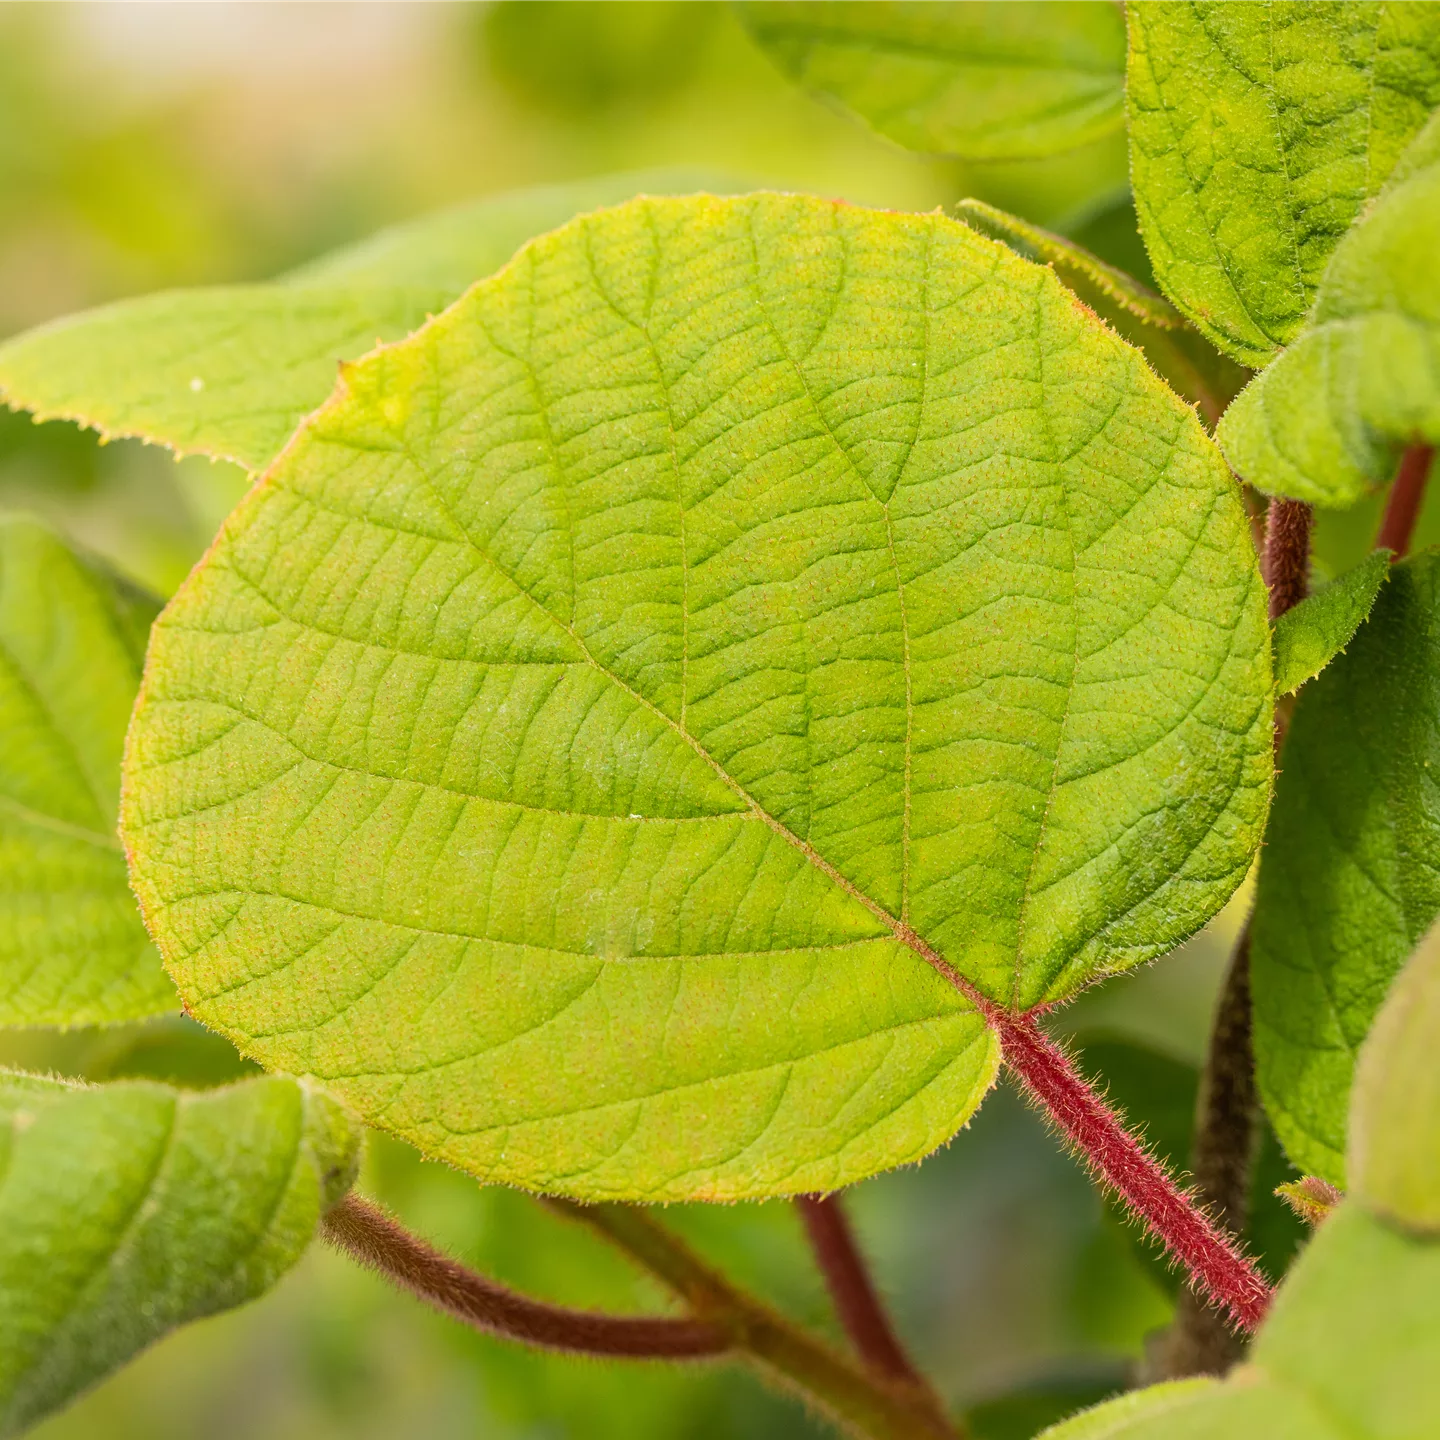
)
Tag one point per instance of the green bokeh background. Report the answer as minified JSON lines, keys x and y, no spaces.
{"x":145,"y":146}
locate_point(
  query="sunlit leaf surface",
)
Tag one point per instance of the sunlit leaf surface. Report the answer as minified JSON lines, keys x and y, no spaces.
{"x":594,"y":739}
{"x":1257,"y":135}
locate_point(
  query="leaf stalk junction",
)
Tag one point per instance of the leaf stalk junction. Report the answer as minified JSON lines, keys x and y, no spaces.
{"x":723,"y":1321}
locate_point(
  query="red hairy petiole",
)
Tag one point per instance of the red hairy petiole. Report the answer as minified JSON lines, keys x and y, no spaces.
{"x":1121,"y":1162}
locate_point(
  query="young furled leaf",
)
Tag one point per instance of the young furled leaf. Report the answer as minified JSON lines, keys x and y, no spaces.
{"x":1257,"y":134}
{"x":73,"y":950}
{"x":1348,"y":882}
{"x":130,"y":1209}
{"x":1326,"y":421}
{"x":1351,"y":1349}
{"x":230,"y":370}
{"x":986,"y":81}
{"x":1395,"y":1106}
{"x":1311,"y":634}
{"x":643,"y":715}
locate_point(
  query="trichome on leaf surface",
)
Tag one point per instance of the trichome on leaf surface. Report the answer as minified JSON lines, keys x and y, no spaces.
{"x":678,"y":722}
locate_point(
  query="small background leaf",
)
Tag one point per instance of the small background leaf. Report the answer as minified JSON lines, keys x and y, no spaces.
{"x":132,"y":1208}
{"x":73,"y":950}
{"x":230,"y":370}
{"x":1347,"y":883}
{"x":1310,"y":635}
{"x":982,"y":81}
{"x":643,"y":581}
{"x":1326,"y":422}
{"x":1257,"y":134}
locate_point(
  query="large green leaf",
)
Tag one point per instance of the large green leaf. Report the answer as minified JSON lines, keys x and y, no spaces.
{"x":230,"y":370}
{"x":1395,"y":1105}
{"x":73,"y":950}
{"x":1327,"y":420}
{"x":1351,"y":1351}
{"x":129,"y":1209}
{"x":985,"y":81}
{"x":1349,"y":881}
{"x":587,"y":741}
{"x":1257,"y":134}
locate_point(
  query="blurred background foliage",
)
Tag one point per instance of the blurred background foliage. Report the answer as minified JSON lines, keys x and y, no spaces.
{"x":146,"y":146}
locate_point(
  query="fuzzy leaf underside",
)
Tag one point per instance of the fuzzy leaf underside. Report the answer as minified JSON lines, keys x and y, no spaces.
{"x":556,"y":742}
{"x":1395,"y":1104}
{"x":130,"y":1209}
{"x":1311,"y":634}
{"x":229,"y":371}
{"x":73,"y":950}
{"x":1349,"y":882}
{"x":1257,"y":135}
{"x":1326,"y":422}
{"x":985,"y":81}
{"x":1351,"y":1349}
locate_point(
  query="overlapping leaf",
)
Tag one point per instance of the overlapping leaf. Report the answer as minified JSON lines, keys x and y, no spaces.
{"x":132,"y":1208}
{"x":984,"y":81}
{"x":591,"y":741}
{"x":73,"y":950}
{"x":1257,"y":134}
{"x":1311,"y":634}
{"x":1327,"y":420}
{"x":1349,"y":881}
{"x":229,"y":371}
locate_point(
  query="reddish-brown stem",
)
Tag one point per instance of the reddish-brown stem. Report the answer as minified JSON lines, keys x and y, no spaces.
{"x":1226,"y":1133}
{"x":1406,"y":496}
{"x":864,"y":1402}
{"x":1287,"y":553}
{"x":856,"y":1300}
{"x":1199,"y":1342}
{"x":1120,"y":1161}
{"x":370,"y":1236}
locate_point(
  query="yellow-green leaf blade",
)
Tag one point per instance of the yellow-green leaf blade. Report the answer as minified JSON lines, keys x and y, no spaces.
{"x":73,"y":950}
{"x":1258,"y":133}
{"x":1326,"y":422}
{"x":1347,"y":885}
{"x":229,"y":371}
{"x":130,"y":1209}
{"x":1311,"y":634}
{"x":1181,"y":355}
{"x":982,"y":81}
{"x":561,"y":745}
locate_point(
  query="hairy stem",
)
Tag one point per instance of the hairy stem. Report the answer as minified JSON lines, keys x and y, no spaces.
{"x":1199,"y":1341}
{"x":862,"y":1402}
{"x":374,"y":1239}
{"x":1287,"y":553}
{"x":1120,"y":1161}
{"x":857,"y":1302}
{"x":1406,"y":496}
